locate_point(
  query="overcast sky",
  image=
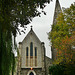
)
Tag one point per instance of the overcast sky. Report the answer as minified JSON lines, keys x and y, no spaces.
{"x":42,"y":25}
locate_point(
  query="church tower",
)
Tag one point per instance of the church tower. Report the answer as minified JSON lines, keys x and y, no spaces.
{"x":56,"y":13}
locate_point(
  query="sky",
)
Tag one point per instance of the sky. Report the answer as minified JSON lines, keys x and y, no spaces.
{"x":42,"y":25}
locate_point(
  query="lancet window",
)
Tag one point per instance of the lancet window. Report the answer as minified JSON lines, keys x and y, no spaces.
{"x":31,"y":49}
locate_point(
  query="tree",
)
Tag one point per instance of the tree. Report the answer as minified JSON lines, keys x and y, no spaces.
{"x":62,"y":69}
{"x":14,"y":13}
{"x":62,"y":35}
{"x":7,"y":58}
{"x":57,"y":70}
{"x":19,"y":12}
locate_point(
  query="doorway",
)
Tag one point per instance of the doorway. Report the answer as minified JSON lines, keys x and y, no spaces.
{"x":31,"y":73}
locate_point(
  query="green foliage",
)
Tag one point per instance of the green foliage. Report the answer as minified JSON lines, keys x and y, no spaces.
{"x":7,"y":58}
{"x":62,"y":69}
{"x":17,"y":13}
{"x":56,"y":70}
{"x":69,"y":69}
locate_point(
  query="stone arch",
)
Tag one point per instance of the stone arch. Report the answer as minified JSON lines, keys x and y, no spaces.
{"x":32,"y":72}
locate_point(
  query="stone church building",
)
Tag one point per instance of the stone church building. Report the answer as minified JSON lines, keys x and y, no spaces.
{"x":32,"y":59}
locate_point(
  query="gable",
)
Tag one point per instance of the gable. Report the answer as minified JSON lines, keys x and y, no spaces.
{"x":31,"y":37}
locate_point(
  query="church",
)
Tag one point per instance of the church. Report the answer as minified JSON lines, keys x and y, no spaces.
{"x":32,"y":59}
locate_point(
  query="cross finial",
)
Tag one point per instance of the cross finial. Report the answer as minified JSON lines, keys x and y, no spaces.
{"x":31,"y":27}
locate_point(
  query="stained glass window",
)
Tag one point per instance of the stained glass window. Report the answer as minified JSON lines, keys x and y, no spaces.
{"x":26,"y":51}
{"x":35,"y":51}
{"x":31,"y":49}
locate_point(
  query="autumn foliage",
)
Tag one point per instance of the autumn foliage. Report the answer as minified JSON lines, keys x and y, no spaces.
{"x":62,"y":36}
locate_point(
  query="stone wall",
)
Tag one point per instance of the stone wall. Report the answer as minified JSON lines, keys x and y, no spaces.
{"x":48,"y":63}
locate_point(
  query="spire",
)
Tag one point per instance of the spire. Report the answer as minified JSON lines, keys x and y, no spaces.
{"x":57,"y":11}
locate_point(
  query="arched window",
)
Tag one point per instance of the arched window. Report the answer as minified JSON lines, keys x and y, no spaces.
{"x":35,"y":51}
{"x":26,"y":51}
{"x":35,"y":56}
{"x":31,"y":49}
{"x":26,"y":56}
{"x":31,"y":73}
